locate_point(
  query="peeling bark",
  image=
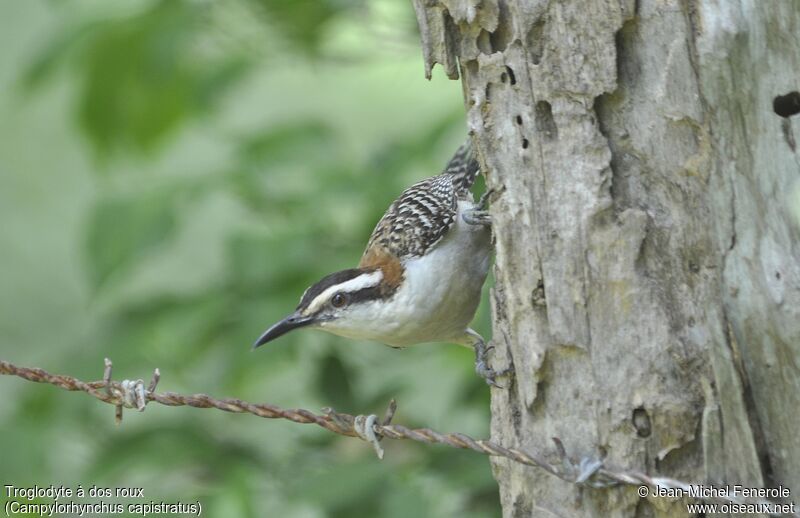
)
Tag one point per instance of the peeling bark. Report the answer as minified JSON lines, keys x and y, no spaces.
{"x":648,"y":268}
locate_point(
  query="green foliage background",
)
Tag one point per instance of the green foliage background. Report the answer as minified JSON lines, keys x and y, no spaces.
{"x":173,"y":174}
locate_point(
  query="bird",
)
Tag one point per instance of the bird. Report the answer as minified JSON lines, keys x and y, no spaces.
{"x":420,"y":277}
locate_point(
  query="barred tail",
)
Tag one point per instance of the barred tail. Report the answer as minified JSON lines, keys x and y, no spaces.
{"x":463,"y":166}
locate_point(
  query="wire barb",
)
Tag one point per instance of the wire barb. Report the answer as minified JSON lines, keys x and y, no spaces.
{"x":590,"y":473}
{"x":389,"y":414}
{"x":127,"y":393}
{"x":365,"y":428}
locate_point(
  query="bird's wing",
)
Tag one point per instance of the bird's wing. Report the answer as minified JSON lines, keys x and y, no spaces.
{"x":424,"y":212}
{"x":417,"y":220}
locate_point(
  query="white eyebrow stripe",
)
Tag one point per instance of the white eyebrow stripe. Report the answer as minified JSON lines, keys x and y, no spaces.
{"x":365,"y":280}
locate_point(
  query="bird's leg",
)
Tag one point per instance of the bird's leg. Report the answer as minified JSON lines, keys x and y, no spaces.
{"x":480,"y":215}
{"x":481,"y":360}
{"x":483,"y":202}
{"x":483,"y":370}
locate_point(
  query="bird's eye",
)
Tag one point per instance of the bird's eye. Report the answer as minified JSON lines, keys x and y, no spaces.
{"x":338,"y":300}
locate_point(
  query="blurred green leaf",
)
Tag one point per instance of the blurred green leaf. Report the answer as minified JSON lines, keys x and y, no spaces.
{"x":303,"y":21}
{"x":140,"y":78}
{"x":404,"y":501}
{"x":54,"y":53}
{"x":350,"y":485}
{"x":141,"y":75}
{"x":334,"y":383}
{"x":396,"y":154}
{"x":173,"y":331}
{"x":123,"y":229}
{"x":177,"y":446}
{"x":279,"y":185}
{"x":270,"y":163}
{"x":286,"y":142}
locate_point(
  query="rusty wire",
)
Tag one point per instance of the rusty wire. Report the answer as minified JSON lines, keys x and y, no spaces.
{"x":595,"y":475}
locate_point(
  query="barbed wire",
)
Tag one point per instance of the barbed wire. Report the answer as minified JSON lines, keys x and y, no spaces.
{"x":591,"y":473}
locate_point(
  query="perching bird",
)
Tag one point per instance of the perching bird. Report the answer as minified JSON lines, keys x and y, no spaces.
{"x":420,"y":277}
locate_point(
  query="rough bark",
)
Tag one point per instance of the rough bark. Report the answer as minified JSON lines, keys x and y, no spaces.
{"x":647,"y":259}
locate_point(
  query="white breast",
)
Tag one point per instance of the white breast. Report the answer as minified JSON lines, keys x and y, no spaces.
{"x":438,"y":296}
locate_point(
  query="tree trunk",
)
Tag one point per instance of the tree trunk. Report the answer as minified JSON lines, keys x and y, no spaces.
{"x":647,"y":267}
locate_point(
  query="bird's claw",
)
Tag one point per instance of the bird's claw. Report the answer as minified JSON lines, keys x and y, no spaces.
{"x":488,"y":195}
{"x":477,"y":217}
{"x":489,"y":375}
{"x":484,"y":371}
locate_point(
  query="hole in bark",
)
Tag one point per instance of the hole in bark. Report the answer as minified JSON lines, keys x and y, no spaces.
{"x":545,"y":124}
{"x":538,"y":296}
{"x":535,"y":41}
{"x":502,"y":36}
{"x":641,"y":421}
{"x":787,"y":105}
{"x":485,"y":42}
{"x":503,"y":77}
{"x":518,"y":118}
{"x":778,"y":275}
{"x":511,"y":75}
{"x":525,"y":143}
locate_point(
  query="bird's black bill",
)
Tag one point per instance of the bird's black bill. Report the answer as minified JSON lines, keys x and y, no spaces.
{"x":293,"y":321}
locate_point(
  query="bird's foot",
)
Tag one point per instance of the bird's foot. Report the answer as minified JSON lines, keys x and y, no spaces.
{"x":480,"y":214}
{"x":477,"y":217}
{"x":482,"y":368}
